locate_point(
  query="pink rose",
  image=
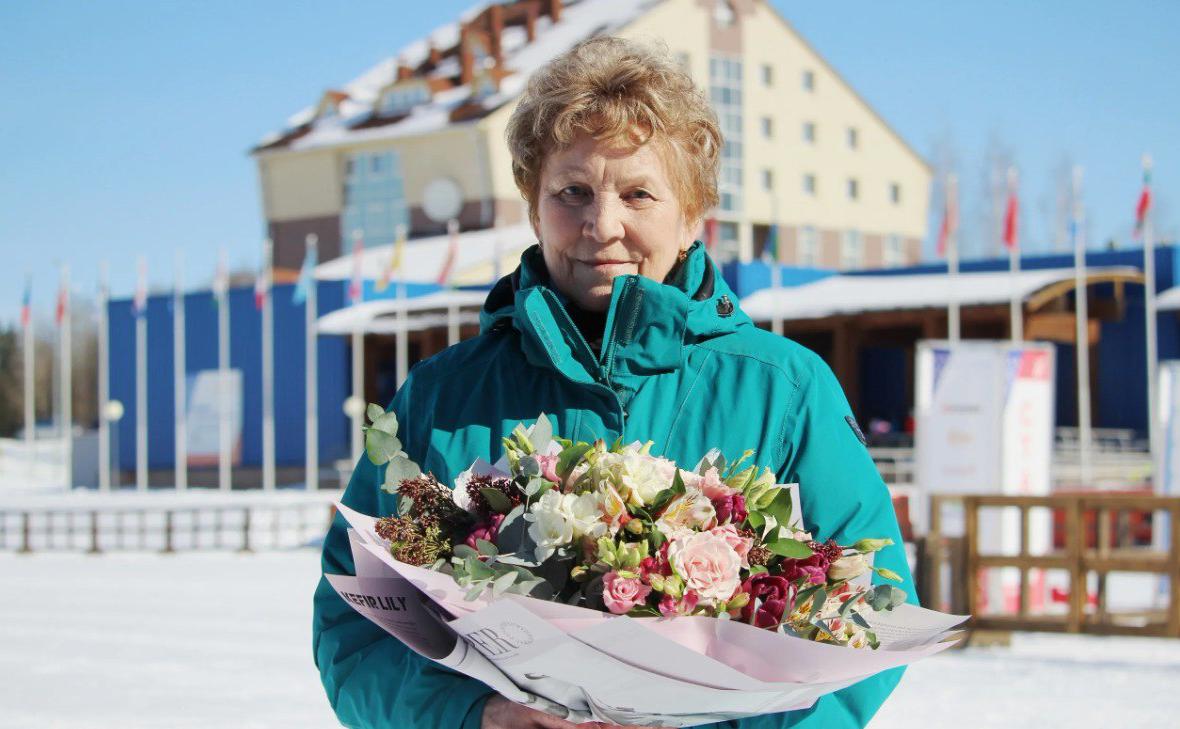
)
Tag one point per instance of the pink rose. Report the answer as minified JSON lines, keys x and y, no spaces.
{"x":731,"y":508}
{"x":670,"y":607}
{"x":773,"y":594}
{"x":623,"y":593}
{"x":707,"y":564}
{"x":487,"y":531}
{"x":713,"y":486}
{"x":740,"y":544}
{"x":549,"y":468}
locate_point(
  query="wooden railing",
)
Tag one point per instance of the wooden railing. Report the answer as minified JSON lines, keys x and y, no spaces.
{"x":1114,"y":551}
{"x":245,"y":527}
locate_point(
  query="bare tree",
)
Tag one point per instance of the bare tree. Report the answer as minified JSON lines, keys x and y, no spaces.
{"x":990,"y":203}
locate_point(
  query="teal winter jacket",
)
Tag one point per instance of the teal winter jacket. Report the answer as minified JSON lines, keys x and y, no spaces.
{"x":681,"y":365}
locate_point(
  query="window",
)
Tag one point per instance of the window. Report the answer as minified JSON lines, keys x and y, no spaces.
{"x":895,"y":193}
{"x":808,"y":256}
{"x":853,"y":138}
{"x":809,"y":184}
{"x":853,"y":189}
{"x":852,"y":250}
{"x":892,"y":256}
{"x":374,"y":198}
{"x":767,"y":179}
{"x":684,"y":60}
{"x":767,"y":127}
{"x":809,"y":80}
{"x":725,"y":91}
{"x":401,"y":99}
{"x":767,"y":75}
{"x":728,"y":246}
{"x":809,"y":132}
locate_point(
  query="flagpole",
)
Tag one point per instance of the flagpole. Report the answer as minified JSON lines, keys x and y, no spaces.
{"x":952,"y":260}
{"x":141,"y":404}
{"x":104,"y":381}
{"x":311,"y":402}
{"x":402,"y":346}
{"x":1012,"y":242}
{"x":452,"y":309}
{"x":1149,"y":314}
{"x":179,"y":381}
{"x":224,"y":472}
{"x":268,"y":369}
{"x":355,"y":295}
{"x":1081,"y":307}
{"x":30,"y":392}
{"x":67,"y":379}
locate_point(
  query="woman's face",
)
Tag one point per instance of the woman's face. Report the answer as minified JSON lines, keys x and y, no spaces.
{"x":607,"y":210}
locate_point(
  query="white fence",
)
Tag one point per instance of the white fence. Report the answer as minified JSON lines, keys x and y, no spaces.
{"x":31,"y":466}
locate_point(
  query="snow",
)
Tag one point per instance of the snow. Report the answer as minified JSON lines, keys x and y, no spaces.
{"x":579,"y":20}
{"x":1169,"y":300}
{"x":853,"y":294}
{"x":223,"y":640}
{"x":379,"y":317}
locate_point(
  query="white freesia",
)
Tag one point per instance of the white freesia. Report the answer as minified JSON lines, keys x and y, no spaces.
{"x":584,"y":512}
{"x":550,"y":526}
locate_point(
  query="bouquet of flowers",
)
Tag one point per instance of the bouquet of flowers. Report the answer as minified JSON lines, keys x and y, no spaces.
{"x":618,"y":530}
{"x":604,"y":583}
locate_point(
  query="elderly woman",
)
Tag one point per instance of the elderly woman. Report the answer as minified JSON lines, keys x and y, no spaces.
{"x":616,"y":325}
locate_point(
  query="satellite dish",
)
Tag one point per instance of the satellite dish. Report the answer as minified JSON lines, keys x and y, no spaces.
{"x":442,"y":199}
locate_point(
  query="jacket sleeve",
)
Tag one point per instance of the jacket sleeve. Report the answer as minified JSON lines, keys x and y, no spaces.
{"x":843,"y":498}
{"x":373,"y":681}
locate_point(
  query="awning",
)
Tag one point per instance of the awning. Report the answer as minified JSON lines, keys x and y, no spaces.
{"x":422,"y":312}
{"x":843,"y":295}
{"x":1168,"y":300}
{"x":424,"y":258}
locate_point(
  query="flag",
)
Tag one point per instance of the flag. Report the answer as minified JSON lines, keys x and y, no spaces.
{"x":26,"y":305}
{"x":260,"y":288}
{"x":306,"y":276}
{"x":1011,"y":218}
{"x":356,"y":285}
{"x":139,"y":303}
{"x":62,"y":303}
{"x":1144,"y":204}
{"x":711,"y":234}
{"x":950,"y":217}
{"x":444,"y":276}
{"x":770,"y":250}
{"x":394,"y":263}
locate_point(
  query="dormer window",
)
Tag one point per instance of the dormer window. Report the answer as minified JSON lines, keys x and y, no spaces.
{"x":483,"y":86}
{"x":330,"y":105}
{"x":403,"y":98}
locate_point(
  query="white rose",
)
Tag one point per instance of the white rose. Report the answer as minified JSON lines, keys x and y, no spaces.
{"x":549,"y":526}
{"x":643,"y":477}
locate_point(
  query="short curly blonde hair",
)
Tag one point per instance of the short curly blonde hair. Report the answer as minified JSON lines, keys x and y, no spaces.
{"x":623,"y":91}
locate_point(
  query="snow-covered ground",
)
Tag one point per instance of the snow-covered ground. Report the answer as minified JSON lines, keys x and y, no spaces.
{"x":127,"y":640}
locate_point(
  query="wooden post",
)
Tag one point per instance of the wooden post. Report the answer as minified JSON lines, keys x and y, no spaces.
{"x":26,"y":543}
{"x":167,"y":533}
{"x":1077,"y":577}
{"x":971,"y":539}
{"x":1174,"y":574}
{"x":1104,"y":536}
{"x":245,"y":530}
{"x":935,"y":547}
{"x":94,"y":546}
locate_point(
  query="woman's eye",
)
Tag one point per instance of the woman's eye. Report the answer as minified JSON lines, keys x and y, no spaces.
{"x":642,"y":195}
{"x":572,"y":191}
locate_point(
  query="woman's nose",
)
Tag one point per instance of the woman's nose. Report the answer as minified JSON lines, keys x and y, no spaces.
{"x":604,"y":221}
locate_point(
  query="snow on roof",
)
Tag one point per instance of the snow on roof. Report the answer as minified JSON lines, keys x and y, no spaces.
{"x":1168,"y":300}
{"x":424,"y":257}
{"x":422,"y":312}
{"x":580,"y":19}
{"x":838,"y":295}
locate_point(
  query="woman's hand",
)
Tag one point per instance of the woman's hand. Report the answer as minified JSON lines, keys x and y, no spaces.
{"x":500,"y":713}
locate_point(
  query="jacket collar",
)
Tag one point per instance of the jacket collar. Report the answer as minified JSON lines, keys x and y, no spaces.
{"x":647,"y":324}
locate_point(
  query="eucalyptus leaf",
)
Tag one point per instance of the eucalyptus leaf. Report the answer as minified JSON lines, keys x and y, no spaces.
{"x":381,"y":446}
{"x":496,"y":499}
{"x":502,"y":583}
{"x":464,"y":551}
{"x":385,"y":423}
{"x":533,"y":487}
{"x":885,"y":597}
{"x":398,"y":470}
{"x":474,"y":592}
{"x":529,"y":467}
{"x":486,"y":548}
{"x":374,"y":411}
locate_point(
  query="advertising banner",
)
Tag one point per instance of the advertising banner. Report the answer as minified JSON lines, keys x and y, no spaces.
{"x":204,"y":416}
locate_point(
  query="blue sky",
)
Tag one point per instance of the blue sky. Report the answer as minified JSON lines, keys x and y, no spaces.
{"x":125,"y":125}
